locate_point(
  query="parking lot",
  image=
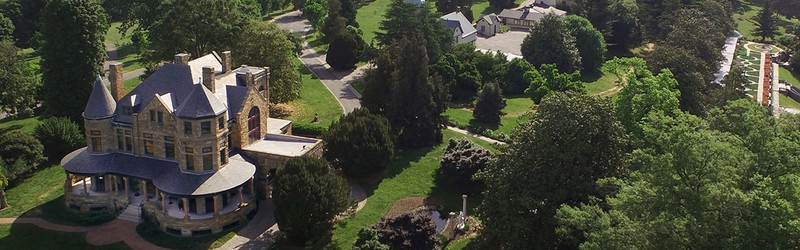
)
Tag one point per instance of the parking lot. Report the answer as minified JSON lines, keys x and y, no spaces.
{"x":508,"y":42}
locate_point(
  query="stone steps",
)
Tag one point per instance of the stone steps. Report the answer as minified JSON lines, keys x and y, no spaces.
{"x":131,"y":213}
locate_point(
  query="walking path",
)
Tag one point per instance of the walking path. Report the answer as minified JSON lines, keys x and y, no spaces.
{"x":113,"y":55}
{"x":100,"y":235}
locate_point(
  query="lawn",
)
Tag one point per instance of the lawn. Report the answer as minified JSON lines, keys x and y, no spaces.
{"x":598,"y":84}
{"x":316,"y":43}
{"x":514,"y":111}
{"x":26,"y":198}
{"x":27,"y":236}
{"x":745,"y":24}
{"x":28,"y":124}
{"x":130,"y":84}
{"x":359,"y":86}
{"x":370,"y":16}
{"x":790,"y":77}
{"x":788,"y":102}
{"x":411,"y":173}
{"x":125,"y":52}
{"x":314,"y":99}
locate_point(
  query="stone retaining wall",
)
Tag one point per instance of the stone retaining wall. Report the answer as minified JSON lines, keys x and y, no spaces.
{"x":188,"y":226}
{"x":86,"y":203}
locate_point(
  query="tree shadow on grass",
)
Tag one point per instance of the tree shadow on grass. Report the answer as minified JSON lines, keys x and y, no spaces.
{"x":29,"y":236}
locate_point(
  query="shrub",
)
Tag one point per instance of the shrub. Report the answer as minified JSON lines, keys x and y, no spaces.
{"x":59,"y":136}
{"x":368,"y":240}
{"x":94,"y":218}
{"x":461,"y":160}
{"x":21,"y":152}
{"x":414,"y":230}
{"x":307,"y":129}
{"x":359,"y":143}
{"x":307,"y":197}
{"x":490,"y":104}
{"x":345,"y":50}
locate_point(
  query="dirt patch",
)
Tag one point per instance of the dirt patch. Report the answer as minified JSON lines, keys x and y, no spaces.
{"x":408,"y":204}
{"x":281,"y":110}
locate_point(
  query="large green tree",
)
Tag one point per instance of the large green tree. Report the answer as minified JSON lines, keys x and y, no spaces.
{"x":625,"y":29}
{"x":72,"y":54}
{"x":462,"y":77}
{"x":345,"y":50}
{"x":316,"y":11}
{"x":514,"y":79}
{"x":733,"y":87}
{"x":359,"y":143}
{"x":404,"y":19}
{"x":693,"y":76}
{"x":307,"y":197}
{"x":590,"y":43}
{"x":551,"y":41}
{"x":548,"y":79}
{"x":490,"y":104}
{"x":19,"y":86}
{"x":20,"y":152}
{"x":555,"y":158}
{"x":26,"y":16}
{"x":264,"y":44}
{"x":766,"y":22}
{"x":646,"y":93}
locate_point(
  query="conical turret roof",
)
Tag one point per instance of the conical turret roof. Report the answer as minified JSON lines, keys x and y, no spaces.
{"x":101,"y":104}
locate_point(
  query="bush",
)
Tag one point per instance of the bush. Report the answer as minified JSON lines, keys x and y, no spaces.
{"x":94,"y":218}
{"x":307,"y":129}
{"x":414,"y":230}
{"x":359,"y":143}
{"x":461,"y":160}
{"x":368,"y":240}
{"x":490,"y":104}
{"x":307,"y":197}
{"x":20,"y":153}
{"x":59,"y":136}
{"x":345,"y":50}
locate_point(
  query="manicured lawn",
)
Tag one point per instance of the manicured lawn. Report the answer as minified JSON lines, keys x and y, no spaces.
{"x":596,"y":85}
{"x":788,"y":102}
{"x":151,"y":233}
{"x":27,"y":236}
{"x":369,"y":17}
{"x":315,"y":41}
{"x":127,"y":55}
{"x":514,"y":111}
{"x":745,"y":24}
{"x":790,"y":77}
{"x":28,"y":124}
{"x":411,"y":173}
{"x":26,"y":198}
{"x":130,"y":84}
{"x":314,"y":99}
{"x":359,"y":86}
{"x":460,"y":244}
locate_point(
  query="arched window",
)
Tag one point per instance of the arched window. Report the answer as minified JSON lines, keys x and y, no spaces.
{"x":254,"y":124}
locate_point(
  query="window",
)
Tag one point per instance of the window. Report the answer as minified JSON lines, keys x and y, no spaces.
{"x":169,"y":150}
{"x":128,"y":144}
{"x":148,"y":147}
{"x":223,"y":159}
{"x":190,"y":162}
{"x":207,"y":150}
{"x":97,"y":144}
{"x":254,"y":124}
{"x":221,"y":123}
{"x":152,"y":115}
{"x":148,"y":135}
{"x":169,"y":138}
{"x":160,"y":117}
{"x":120,"y":142}
{"x":205,"y":127}
{"x":208,"y":162}
{"x":187,"y":128}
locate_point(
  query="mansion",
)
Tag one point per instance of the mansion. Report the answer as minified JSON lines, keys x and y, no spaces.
{"x":191,"y":147}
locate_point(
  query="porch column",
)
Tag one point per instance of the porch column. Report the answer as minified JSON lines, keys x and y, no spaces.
{"x":144,"y":186}
{"x":113,"y":184}
{"x":125,"y":180}
{"x":241,"y":196}
{"x":216,"y":205}
{"x":185,"y":207}
{"x":85,"y":188}
{"x":163,"y":202}
{"x":107,"y":182}
{"x":252,"y":187}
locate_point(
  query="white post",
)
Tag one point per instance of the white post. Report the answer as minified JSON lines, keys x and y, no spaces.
{"x":464,"y":205}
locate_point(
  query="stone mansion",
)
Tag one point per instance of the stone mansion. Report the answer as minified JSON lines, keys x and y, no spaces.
{"x":191,"y":147}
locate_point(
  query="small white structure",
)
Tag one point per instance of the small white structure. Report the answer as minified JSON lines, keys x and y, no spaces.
{"x":488,"y":25}
{"x":463,"y":32}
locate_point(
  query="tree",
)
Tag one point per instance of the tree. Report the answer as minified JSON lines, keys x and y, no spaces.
{"x":3,"y":185}
{"x":766,"y":22}
{"x":264,"y":44}
{"x":298,"y":4}
{"x":692,"y":74}
{"x":464,"y":78}
{"x":733,"y":87}
{"x":590,"y":43}
{"x":59,"y":136}
{"x":335,"y":24}
{"x":597,"y":12}
{"x":460,"y":161}
{"x":21,"y":153}
{"x":316,"y":11}
{"x":26,"y":16}
{"x":413,"y":230}
{"x":6,"y":28}
{"x":19,"y":85}
{"x":345,"y":51}
{"x":551,"y":41}
{"x":644,"y":94}
{"x":514,"y":78}
{"x":404,"y":19}
{"x":348,"y":10}
{"x":490,"y":104}
{"x":378,"y":83}
{"x":547,"y":79}
{"x":625,"y":27}
{"x":360,"y":143}
{"x":368,"y":240}
{"x":555,"y":158}
{"x":74,"y":34}
{"x":788,"y":8}
{"x":449,"y":6}
{"x":621,"y":67}
{"x":308,"y":183}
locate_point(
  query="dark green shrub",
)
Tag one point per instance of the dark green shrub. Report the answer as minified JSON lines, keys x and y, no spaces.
{"x":307,"y":129}
{"x":21,"y":153}
{"x":359,"y":143}
{"x":59,"y":136}
{"x":415,"y":230}
{"x":460,"y":161}
{"x":345,"y":50}
{"x":368,"y":240}
{"x":490,"y":104}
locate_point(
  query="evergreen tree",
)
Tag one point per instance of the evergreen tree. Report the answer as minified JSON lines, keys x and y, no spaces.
{"x":26,"y":17}
{"x":345,"y":51}
{"x":403,"y":20}
{"x":59,"y":136}
{"x":359,"y":143}
{"x":625,"y":26}
{"x":264,"y":44}
{"x":551,"y":41}
{"x":6,"y":28}
{"x":766,"y":22}
{"x":490,"y":104}
{"x":348,"y":10}
{"x":590,"y":43}
{"x":378,"y":81}
{"x":20,"y":152}
{"x":308,"y":183}
{"x":72,"y":54}
{"x":514,"y":78}
{"x":316,"y":11}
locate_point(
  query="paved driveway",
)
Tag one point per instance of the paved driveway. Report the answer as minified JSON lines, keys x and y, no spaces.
{"x":508,"y":42}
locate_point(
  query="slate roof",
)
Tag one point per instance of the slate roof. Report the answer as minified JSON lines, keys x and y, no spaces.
{"x":165,"y":175}
{"x":200,"y":103}
{"x":490,"y":19}
{"x":521,"y":15}
{"x":466,"y":27}
{"x":101,"y":104}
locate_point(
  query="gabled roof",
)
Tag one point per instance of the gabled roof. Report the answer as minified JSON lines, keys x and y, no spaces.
{"x":521,"y":15}
{"x":464,"y":24}
{"x":101,"y":104}
{"x":200,"y":103}
{"x":490,"y":19}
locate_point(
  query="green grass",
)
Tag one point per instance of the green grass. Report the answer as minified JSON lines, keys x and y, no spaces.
{"x":125,"y":52}
{"x":150,"y":232}
{"x":745,"y":24}
{"x":28,"y":124}
{"x":316,"y":43}
{"x":314,"y":99}
{"x":598,"y":84}
{"x":789,"y":76}
{"x":275,"y":13}
{"x":130,"y":84}
{"x":514,"y":111}
{"x":411,"y":173}
{"x":359,"y":86}
{"x":460,"y":244}
{"x":788,"y":102}
{"x":369,"y":17}
{"x":26,"y":198}
{"x":483,"y":8}
{"x":27,"y":236}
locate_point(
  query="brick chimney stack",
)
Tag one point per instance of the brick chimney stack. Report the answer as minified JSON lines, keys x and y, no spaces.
{"x":116,"y":79}
{"x":181,"y":59}
{"x":225,"y":57}
{"x":208,"y":78}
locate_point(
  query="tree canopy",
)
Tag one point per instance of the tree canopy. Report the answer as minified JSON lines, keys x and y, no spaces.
{"x":551,"y":42}
{"x":359,"y":143}
{"x":490,"y":104}
{"x":19,"y":86}
{"x":590,"y":43}
{"x":404,"y":19}
{"x":345,"y":50}
{"x":766,"y":22}
{"x":548,"y":79}
{"x":264,"y":44}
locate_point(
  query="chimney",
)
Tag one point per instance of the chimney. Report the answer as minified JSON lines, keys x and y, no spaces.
{"x":264,"y":81}
{"x":225,"y":56}
{"x":208,"y":78}
{"x":181,"y":59}
{"x":116,"y":79}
